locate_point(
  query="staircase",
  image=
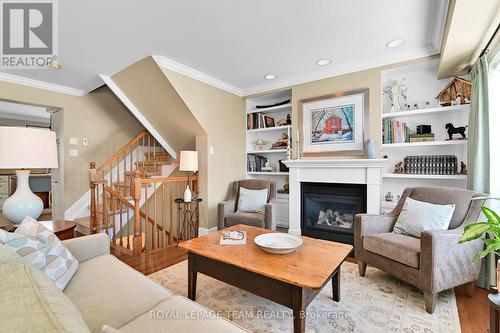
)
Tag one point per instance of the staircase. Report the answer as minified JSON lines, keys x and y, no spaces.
{"x":132,"y":197}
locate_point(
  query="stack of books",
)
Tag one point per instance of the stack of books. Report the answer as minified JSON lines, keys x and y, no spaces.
{"x":258,"y":120}
{"x":421,"y":137}
{"x":394,"y":131}
{"x":256,"y":163}
{"x":431,"y":164}
{"x":280,"y":144}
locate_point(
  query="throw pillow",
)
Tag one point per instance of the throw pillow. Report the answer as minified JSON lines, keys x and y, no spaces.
{"x":252,"y":201}
{"x":8,"y":256}
{"x":417,"y":216}
{"x":40,"y":248}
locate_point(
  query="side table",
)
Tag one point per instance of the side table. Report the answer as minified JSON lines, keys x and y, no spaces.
{"x":61,"y":228}
{"x":189,"y":218}
{"x":494,"y":312}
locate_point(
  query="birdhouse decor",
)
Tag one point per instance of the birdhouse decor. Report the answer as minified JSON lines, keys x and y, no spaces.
{"x":457,"y":92}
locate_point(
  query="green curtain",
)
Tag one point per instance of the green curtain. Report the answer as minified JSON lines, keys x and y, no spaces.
{"x":478,"y":147}
{"x":478,"y":152}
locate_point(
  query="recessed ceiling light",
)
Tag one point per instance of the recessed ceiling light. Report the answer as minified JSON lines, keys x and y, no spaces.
{"x":270,"y":77}
{"x":395,"y":43}
{"x":323,"y":62}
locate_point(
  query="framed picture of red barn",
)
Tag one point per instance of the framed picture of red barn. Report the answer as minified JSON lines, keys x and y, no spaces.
{"x":334,"y":123}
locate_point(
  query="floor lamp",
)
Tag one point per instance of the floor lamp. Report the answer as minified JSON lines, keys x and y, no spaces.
{"x":23,"y":149}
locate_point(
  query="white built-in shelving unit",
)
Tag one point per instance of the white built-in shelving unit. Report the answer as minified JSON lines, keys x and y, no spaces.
{"x":271,"y":134}
{"x":422,"y":86}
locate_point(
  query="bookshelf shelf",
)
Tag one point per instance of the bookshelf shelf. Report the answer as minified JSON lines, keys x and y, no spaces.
{"x":271,"y":109}
{"x":267,"y":151}
{"x":421,"y":144}
{"x":275,"y":173}
{"x":423,"y":112}
{"x":418,"y":176}
{"x":267,"y":129}
{"x":422,"y":86}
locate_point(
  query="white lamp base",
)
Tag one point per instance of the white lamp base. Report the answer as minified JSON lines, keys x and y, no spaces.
{"x":187,"y":194}
{"x":23,"y":202}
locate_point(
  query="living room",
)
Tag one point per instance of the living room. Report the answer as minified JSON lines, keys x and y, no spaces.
{"x":249,"y":167}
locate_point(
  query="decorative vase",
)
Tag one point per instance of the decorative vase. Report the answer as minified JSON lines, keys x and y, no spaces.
{"x":187,"y":194}
{"x":371,"y":149}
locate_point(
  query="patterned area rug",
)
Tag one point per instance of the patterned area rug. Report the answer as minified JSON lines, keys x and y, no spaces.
{"x":375,"y":303}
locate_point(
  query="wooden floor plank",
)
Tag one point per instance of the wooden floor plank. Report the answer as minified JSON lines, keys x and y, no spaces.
{"x":473,"y":311}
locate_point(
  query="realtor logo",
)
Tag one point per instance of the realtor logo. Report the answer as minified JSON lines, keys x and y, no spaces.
{"x":29,"y":34}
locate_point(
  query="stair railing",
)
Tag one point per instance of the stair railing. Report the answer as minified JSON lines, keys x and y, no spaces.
{"x":160,"y":208}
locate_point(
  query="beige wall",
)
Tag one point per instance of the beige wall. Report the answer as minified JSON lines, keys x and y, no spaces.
{"x":369,"y":79}
{"x":98,"y":116}
{"x":221,"y":114}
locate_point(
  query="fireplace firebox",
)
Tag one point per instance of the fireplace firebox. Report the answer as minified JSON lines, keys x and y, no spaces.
{"x":328,"y":210}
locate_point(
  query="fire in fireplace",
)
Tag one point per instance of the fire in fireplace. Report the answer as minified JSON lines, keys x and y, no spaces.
{"x":328,"y":210}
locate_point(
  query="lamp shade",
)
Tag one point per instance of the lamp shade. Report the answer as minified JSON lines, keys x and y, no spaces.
{"x":27,"y":148}
{"x":189,"y":160}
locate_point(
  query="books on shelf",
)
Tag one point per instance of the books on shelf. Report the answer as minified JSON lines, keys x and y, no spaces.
{"x":280,"y":144}
{"x":430,"y":165}
{"x":259,"y":120}
{"x":394,"y":131}
{"x":421,"y":137}
{"x":256,"y":163}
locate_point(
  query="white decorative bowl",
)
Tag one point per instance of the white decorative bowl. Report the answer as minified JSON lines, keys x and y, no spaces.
{"x":278,"y":243}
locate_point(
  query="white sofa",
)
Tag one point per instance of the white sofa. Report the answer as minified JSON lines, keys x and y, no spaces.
{"x":104,"y":291}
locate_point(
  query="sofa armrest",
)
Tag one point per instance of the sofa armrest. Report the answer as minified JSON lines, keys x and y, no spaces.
{"x":225,"y":208}
{"x":370,"y":224}
{"x":88,"y":247}
{"x":444,"y":263}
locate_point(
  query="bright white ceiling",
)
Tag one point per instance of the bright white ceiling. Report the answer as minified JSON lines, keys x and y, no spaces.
{"x":239,"y":42}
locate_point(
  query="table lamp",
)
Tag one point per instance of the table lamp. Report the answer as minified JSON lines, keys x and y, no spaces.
{"x":23,"y":149}
{"x":189,"y":162}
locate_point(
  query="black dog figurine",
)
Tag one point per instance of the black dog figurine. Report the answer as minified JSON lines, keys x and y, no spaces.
{"x":455,"y":130}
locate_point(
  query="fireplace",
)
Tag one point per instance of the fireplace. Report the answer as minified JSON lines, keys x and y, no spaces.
{"x":328,"y":210}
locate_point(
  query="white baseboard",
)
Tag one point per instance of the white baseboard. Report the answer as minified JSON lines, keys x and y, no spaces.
{"x":206,"y":231}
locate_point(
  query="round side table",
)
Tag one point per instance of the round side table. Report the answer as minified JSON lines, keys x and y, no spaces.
{"x":189,"y":218}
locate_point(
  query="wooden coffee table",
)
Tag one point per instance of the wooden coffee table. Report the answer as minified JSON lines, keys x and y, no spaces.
{"x":292,"y":280}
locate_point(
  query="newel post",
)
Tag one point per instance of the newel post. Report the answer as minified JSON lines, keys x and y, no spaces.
{"x":136,"y":194}
{"x":93,"y":194}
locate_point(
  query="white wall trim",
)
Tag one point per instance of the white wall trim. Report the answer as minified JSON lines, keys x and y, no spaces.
{"x":196,"y":75}
{"x":138,"y":114}
{"x":41,"y":84}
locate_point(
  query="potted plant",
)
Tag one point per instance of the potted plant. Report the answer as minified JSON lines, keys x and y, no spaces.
{"x":477,"y":230}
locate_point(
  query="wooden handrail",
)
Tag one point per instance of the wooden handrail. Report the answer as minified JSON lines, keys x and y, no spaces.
{"x":139,"y":136}
{"x":168,"y":179}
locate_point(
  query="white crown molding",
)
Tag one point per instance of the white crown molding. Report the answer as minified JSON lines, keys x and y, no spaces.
{"x":41,"y":84}
{"x":342,"y":69}
{"x":196,"y":75}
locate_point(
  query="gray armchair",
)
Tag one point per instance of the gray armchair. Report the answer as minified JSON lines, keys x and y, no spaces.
{"x":229,"y":216}
{"x":433,"y":263}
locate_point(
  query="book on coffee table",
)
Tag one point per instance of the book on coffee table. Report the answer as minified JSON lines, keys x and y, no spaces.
{"x":233,"y":237}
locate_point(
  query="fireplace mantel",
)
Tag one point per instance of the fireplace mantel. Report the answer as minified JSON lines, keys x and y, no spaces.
{"x":341,"y":171}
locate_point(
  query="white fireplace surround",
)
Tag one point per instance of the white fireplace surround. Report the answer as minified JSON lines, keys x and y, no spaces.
{"x":341,"y":171}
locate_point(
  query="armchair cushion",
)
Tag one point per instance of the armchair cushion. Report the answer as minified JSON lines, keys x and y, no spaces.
{"x":251,"y":219}
{"x":417,"y":216}
{"x":252,"y":201}
{"x":400,"y":248}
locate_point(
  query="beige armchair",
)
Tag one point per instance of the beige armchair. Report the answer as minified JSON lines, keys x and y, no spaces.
{"x":433,"y":263}
{"x":228,"y":210}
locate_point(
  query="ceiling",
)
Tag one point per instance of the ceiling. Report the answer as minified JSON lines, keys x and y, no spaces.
{"x":239,"y":42}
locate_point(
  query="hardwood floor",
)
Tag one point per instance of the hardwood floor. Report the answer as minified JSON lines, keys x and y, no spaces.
{"x":473,"y":311}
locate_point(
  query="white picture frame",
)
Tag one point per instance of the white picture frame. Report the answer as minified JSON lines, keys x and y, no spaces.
{"x":334,"y":123}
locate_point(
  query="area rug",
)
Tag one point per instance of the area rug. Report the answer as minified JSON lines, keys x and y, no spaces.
{"x":375,"y":303}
